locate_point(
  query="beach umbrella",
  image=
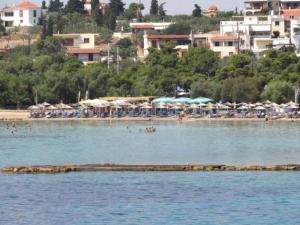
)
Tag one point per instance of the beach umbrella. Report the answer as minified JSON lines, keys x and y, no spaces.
{"x":242,"y":107}
{"x":162,"y":100}
{"x":176,"y":107}
{"x":33,"y":107}
{"x":133,"y":106}
{"x":147,"y":107}
{"x":211,"y":106}
{"x":283,"y":105}
{"x":221,"y":106}
{"x":46,"y":104}
{"x":259,"y":108}
{"x":194,"y":106}
{"x":63,"y":106}
{"x":293,"y":106}
{"x":120,"y":102}
{"x":161,"y":106}
{"x":87,"y":102}
{"x":267,"y":102}
{"x":182,"y":100}
{"x":258,"y":104}
{"x":51,"y":107}
{"x":200,"y":100}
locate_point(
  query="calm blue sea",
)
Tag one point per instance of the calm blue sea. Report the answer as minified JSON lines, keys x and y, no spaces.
{"x":150,"y":198}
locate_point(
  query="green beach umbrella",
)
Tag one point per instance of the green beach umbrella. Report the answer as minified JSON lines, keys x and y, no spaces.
{"x":182,"y":100}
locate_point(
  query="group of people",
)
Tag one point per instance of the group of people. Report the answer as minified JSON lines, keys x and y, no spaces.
{"x":12,"y":127}
{"x":150,"y":129}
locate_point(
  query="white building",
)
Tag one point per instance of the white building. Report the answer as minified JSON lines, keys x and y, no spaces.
{"x":83,"y":46}
{"x":24,"y":14}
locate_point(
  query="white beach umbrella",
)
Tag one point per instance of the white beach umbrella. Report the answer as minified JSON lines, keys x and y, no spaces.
{"x":120,"y":102}
{"x":242,"y":107}
{"x":260,"y":108}
{"x":194,"y":106}
{"x":51,"y":107}
{"x":33,"y":107}
{"x":46,"y":104}
{"x":63,"y":106}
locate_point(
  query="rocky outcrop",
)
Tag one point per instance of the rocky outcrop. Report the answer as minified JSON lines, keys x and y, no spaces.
{"x":48,"y":169}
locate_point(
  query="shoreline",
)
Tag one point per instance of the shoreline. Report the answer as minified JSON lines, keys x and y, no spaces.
{"x":55,"y":169}
{"x":23,"y":115}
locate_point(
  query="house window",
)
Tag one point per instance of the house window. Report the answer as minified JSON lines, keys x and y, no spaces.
{"x":217,"y":43}
{"x":9,"y":14}
{"x":277,"y":23}
{"x":33,"y":21}
{"x":230,"y":53}
{"x":230,"y":43}
{"x":21,"y":21}
{"x":34,"y":13}
{"x":21,"y":13}
{"x":86,"y":40}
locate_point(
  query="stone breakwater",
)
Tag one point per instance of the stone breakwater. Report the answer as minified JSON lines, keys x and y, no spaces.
{"x":50,"y":169}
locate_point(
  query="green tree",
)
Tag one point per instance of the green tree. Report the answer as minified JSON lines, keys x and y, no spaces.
{"x":110,"y":19}
{"x":161,"y":10}
{"x":197,"y":12}
{"x":74,"y":6}
{"x":154,"y":8}
{"x":178,"y":28}
{"x":278,"y":91}
{"x":134,"y":11}
{"x":97,"y":12}
{"x":44,"y":6}
{"x":116,"y":7}
{"x":55,"y":6}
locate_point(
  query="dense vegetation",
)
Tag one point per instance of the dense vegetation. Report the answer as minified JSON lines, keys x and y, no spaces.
{"x":45,"y":70}
{"x":57,"y":77}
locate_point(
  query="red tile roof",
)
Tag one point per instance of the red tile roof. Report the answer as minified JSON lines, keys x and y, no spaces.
{"x":143,"y":26}
{"x":83,"y":50}
{"x":290,"y":12}
{"x":169,"y":36}
{"x":26,"y":5}
{"x":225,"y":38}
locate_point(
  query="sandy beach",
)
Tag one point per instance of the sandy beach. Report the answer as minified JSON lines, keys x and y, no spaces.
{"x":23,"y":115}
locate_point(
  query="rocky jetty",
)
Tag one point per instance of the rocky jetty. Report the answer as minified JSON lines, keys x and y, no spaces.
{"x":51,"y":169}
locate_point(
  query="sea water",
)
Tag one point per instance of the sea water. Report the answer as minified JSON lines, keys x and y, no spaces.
{"x":150,"y":198}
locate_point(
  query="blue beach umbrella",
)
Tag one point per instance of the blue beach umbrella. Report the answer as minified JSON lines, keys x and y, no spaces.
{"x":201,"y":100}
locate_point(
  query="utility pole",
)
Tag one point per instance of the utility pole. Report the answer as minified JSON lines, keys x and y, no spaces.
{"x":297,"y":89}
{"x":36,"y":97}
{"x":118,"y":61}
{"x":108,"y":56}
{"x":239,"y":37}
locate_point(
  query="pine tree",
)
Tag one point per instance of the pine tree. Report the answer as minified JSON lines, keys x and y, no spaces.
{"x":74,"y":6}
{"x":50,"y":24}
{"x":197,"y":12}
{"x":97,"y":12}
{"x":55,"y":6}
{"x":154,"y":8}
{"x":44,"y":6}
{"x":110,"y":19}
{"x":117,"y":7}
{"x":161,"y":11}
